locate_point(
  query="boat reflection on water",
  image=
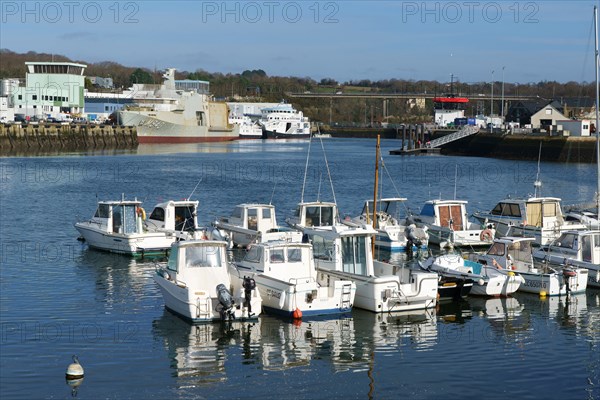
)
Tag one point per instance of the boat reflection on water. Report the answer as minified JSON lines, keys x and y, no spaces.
{"x":204,"y":352}
{"x":199,"y":352}
{"x":497,"y":308}
{"x":294,"y":344}
{"x":347,"y":343}
{"x":236,"y":146}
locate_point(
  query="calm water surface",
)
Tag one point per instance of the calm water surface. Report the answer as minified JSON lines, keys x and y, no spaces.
{"x":57,"y":298}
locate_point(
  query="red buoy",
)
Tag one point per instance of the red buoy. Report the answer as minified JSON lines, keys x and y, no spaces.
{"x":297,"y":314}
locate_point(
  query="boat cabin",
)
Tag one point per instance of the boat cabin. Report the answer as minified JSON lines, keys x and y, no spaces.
{"x":123,"y":217}
{"x":281,"y":260}
{"x":175,"y":216}
{"x":199,"y":264}
{"x":254,"y":217}
{"x":315,"y":214}
{"x":577,"y":245}
{"x":343,"y":248}
{"x":542,"y":212}
{"x":510,"y":253}
{"x":450,"y":214}
{"x":386,"y":208}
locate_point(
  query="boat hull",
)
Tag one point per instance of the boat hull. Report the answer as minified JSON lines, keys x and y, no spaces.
{"x":386,"y":293}
{"x":283,"y":298}
{"x":197,"y":306}
{"x":155,"y":130}
{"x":559,"y":260}
{"x":554,"y":284}
{"x":284,"y":135}
{"x":132,"y":244}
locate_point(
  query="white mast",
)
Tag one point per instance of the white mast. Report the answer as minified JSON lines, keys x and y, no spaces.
{"x":596,"y":68}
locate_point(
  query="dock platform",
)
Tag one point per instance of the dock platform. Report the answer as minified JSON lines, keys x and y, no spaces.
{"x":418,"y":151}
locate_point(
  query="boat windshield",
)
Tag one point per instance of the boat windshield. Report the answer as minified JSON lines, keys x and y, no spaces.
{"x":102,"y":211}
{"x":566,"y":240}
{"x":507,"y":209}
{"x":389,"y":207}
{"x":520,"y":251}
{"x":184,"y":218}
{"x":320,"y":216}
{"x":253,"y":255}
{"x":354,"y":255}
{"x":203,"y":256}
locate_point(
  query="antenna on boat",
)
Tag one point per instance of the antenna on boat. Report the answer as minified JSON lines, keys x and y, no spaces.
{"x":273,"y":193}
{"x":328,"y":172}
{"x":195,"y":187}
{"x":455,"y":179}
{"x":538,"y":184}
{"x":305,"y":170}
{"x":319,"y":187}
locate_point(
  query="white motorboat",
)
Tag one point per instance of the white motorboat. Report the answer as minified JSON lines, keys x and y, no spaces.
{"x":448,"y":224}
{"x":537,"y":217}
{"x":515,"y":254}
{"x":393,"y":230}
{"x":196,"y":284}
{"x":344,"y":253}
{"x":121,"y":226}
{"x":254,"y":223}
{"x":284,"y":122}
{"x":574,"y":248}
{"x":286,"y":277}
{"x":487,"y":280}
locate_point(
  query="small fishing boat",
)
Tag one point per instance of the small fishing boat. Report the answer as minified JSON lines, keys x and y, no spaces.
{"x":196,"y":284}
{"x":121,"y":226}
{"x":394,"y":232}
{"x":289,"y":284}
{"x":515,"y":254}
{"x":345,"y":253}
{"x":486,"y":280}
{"x":254,"y":223}
{"x":538,"y":217}
{"x":574,"y":248}
{"x":448,"y":224}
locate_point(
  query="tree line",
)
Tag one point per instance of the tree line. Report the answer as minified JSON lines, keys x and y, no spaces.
{"x":257,"y":85}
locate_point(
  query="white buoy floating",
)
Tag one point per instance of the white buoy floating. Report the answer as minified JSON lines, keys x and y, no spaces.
{"x":74,"y":370}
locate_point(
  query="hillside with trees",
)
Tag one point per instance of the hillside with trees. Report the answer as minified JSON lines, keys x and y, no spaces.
{"x":257,"y":85}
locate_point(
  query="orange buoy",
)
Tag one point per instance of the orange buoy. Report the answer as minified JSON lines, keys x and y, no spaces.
{"x":297,"y":314}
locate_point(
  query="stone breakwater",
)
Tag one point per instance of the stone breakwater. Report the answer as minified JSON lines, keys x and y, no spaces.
{"x":34,"y":139}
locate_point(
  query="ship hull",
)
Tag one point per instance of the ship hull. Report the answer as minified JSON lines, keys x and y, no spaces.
{"x":156,"y":130}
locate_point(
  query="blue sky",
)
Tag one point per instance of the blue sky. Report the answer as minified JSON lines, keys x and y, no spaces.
{"x":344,"y":40}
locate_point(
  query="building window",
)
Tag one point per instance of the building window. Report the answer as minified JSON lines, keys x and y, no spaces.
{"x":20,"y":97}
{"x":105,"y":108}
{"x":34,"y":106}
{"x":34,"y":97}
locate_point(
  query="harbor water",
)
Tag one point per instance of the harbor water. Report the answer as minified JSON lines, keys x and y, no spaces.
{"x":58,"y":298}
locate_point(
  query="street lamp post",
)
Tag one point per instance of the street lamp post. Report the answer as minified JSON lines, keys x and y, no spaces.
{"x":492,"y":101}
{"x":502,"y":106}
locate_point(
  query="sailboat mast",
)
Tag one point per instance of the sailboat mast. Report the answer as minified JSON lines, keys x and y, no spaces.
{"x":596,"y":68}
{"x":375,"y":191}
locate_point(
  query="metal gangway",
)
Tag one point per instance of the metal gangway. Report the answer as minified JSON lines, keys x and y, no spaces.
{"x":465,"y":131}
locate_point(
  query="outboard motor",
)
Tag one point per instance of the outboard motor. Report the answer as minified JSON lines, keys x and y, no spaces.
{"x":249,"y":285}
{"x":226,"y":301}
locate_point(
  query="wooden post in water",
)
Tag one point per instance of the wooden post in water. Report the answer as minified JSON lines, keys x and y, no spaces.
{"x":375,"y":193}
